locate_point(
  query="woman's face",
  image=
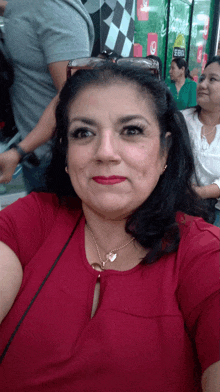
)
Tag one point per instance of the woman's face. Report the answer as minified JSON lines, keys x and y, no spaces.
{"x":175,"y":72}
{"x":114,"y":157}
{"x":208,"y":89}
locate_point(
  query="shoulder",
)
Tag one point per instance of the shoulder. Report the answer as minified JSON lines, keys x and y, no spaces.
{"x":25,"y":224}
{"x":33,"y":207}
{"x":189,"y":114}
{"x":45,"y":205}
{"x":197,"y":259}
{"x":169,"y":84}
{"x":190,"y":82}
{"x":72,"y":6}
{"x":197,"y":234}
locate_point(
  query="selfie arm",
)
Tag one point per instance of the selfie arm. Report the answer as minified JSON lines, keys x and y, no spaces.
{"x":10,"y":278}
{"x":211,"y":378}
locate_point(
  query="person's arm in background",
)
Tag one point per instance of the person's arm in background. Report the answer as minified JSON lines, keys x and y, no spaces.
{"x":2,"y":7}
{"x":10,"y":278}
{"x":211,"y":191}
{"x":60,"y":42}
{"x":41,"y":133}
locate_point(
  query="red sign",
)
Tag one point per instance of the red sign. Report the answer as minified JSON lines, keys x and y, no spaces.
{"x":206,"y":28}
{"x":199,"y":54}
{"x":204,"y":61}
{"x":152,"y":41}
{"x":195,"y":78}
{"x":137,"y":52}
{"x":142,"y":9}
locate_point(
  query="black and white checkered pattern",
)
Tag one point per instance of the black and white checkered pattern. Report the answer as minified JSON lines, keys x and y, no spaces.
{"x":118,"y":30}
{"x":114,"y":25}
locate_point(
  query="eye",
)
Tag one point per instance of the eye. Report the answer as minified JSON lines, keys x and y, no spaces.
{"x":81,"y":133}
{"x":132,"y":130}
{"x":212,"y":79}
{"x":202,"y":77}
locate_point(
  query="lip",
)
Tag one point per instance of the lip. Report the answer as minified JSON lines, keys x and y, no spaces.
{"x":111,"y":180}
{"x":201,"y":93}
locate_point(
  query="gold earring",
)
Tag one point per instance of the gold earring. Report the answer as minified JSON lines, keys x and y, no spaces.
{"x":164,"y":168}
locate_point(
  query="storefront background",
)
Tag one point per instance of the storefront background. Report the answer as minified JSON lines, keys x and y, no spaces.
{"x":161,"y":27}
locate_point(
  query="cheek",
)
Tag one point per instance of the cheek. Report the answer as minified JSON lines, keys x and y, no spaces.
{"x":76,"y":159}
{"x":149,"y":161}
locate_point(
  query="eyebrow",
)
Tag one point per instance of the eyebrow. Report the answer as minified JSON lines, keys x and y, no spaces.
{"x":126,"y":119}
{"x":83,"y":119}
{"x":122,"y":120}
{"x":210,"y":75}
{"x":216,"y":75}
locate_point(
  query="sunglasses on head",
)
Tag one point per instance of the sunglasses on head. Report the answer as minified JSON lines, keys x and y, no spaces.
{"x":149,"y":65}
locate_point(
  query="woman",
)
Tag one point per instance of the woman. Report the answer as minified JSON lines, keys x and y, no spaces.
{"x":204,"y":128}
{"x":181,"y":86}
{"x":89,"y":315}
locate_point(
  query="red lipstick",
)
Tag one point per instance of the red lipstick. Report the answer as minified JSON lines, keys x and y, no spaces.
{"x":109,"y":180}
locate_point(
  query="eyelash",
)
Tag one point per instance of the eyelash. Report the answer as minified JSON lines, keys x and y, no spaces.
{"x":80,"y":133}
{"x":211,"y":79}
{"x":133,"y":127}
{"x":82,"y":130}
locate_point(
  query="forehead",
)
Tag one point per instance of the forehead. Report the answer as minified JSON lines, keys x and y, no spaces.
{"x":118,"y":96}
{"x":213,"y":68}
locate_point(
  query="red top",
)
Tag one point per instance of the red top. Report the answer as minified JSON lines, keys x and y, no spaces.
{"x":156,"y":327}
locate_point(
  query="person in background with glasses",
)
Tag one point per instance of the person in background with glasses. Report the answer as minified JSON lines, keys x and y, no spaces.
{"x":182,"y":86}
{"x":203,"y":122}
{"x":40,"y":38}
{"x":109,"y":279}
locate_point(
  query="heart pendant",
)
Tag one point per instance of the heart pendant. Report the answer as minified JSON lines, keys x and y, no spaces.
{"x":111,"y":256}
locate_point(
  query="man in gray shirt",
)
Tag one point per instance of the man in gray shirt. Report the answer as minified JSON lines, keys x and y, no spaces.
{"x":40,"y":38}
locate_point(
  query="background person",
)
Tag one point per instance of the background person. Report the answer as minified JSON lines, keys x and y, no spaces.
{"x":203,"y":123}
{"x":182,"y":86}
{"x":124,"y":150}
{"x":40,"y":38}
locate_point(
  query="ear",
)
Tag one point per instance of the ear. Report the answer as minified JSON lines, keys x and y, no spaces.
{"x":168,"y":140}
{"x":66,"y":169}
{"x":166,"y":150}
{"x":183,"y":69}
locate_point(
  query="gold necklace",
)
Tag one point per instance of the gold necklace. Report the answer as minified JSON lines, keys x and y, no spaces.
{"x":204,"y":134}
{"x":110,"y":256}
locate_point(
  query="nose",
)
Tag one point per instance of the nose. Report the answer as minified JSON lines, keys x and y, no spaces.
{"x":203,"y":83}
{"x":107,"y":147}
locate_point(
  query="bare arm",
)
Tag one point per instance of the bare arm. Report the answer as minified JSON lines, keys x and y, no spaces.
{"x":45,"y":126}
{"x":2,"y":7}
{"x":10,"y":278}
{"x":41,"y":133}
{"x":211,"y":378}
{"x":208,"y":191}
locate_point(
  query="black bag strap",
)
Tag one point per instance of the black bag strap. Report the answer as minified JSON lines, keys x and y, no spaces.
{"x":38,"y":291}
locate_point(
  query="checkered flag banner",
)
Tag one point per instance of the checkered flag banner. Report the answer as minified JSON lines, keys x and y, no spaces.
{"x":117,"y":31}
{"x":114,"y":25}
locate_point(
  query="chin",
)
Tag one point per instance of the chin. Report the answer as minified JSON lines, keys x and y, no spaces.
{"x":110,"y":209}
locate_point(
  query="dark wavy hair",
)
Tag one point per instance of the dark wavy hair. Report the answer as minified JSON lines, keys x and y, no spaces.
{"x":153,"y":223}
{"x":180,"y":62}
